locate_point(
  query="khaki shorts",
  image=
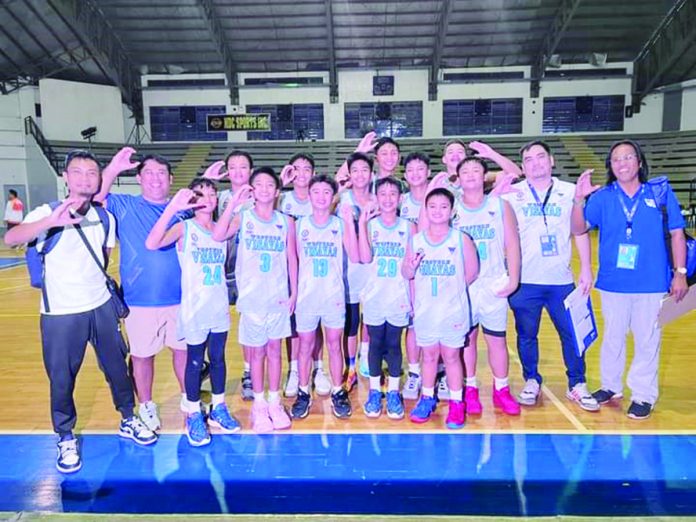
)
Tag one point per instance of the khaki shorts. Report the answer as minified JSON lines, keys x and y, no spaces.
{"x":151,"y":328}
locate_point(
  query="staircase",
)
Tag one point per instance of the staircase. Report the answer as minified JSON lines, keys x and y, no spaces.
{"x":585,"y":156}
{"x":193,"y":162}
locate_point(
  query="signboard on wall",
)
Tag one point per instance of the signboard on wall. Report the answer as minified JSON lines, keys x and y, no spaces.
{"x":238,"y":122}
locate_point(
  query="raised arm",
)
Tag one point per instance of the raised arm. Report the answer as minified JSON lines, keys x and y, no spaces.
{"x":439,"y":181}
{"x":228,"y":223}
{"x":366,"y":145}
{"x":364,"y":242}
{"x":162,"y":235}
{"x":485,"y":151}
{"x":121,"y":162}
{"x":583,"y":188}
{"x":411,"y":262}
{"x":63,"y":215}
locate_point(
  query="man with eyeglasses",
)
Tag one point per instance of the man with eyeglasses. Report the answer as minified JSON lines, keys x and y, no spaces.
{"x":76,"y":305}
{"x":634,"y":270}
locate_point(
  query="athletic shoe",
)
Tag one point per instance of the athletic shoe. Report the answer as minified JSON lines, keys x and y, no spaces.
{"x":603,"y":396}
{"x":196,"y":430}
{"x":133,"y":428}
{"x":503,"y":400}
{"x":530,"y":393}
{"x":412,"y":386}
{"x":351,"y":379}
{"x":364,"y":365}
{"x":580,"y":395}
{"x":247,"y":390}
{"x":68,"y":460}
{"x":322,"y":385}
{"x":373,"y":406}
{"x":279,"y":417}
{"x":395,"y":405}
{"x":260,"y":418}
{"x":148,"y":414}
{"x":456,"y":416}
{"x":300,"y":408}
{"x":292,"y":384}
{"x":639,"y":410}
{"x":424,"y":408}
{"x":442,"y":391}
{"x":221,"y":418}
{"x":340,"y":404}
{"x":473,"y":403}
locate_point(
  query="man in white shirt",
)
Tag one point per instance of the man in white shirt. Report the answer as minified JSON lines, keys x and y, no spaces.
{"x":76,"y":305}
{"x":543,"y":206}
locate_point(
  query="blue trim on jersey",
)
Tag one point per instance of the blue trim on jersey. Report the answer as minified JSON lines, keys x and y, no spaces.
{"x":321,"y":227}
{"x":477,"y":209}
{"x":387,"y":227}
{"x":449,"y":234}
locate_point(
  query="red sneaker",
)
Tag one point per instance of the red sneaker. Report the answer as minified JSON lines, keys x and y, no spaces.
{"x":503,"y":400}
{"x":456,"y":416}
{"x":471,"y":398}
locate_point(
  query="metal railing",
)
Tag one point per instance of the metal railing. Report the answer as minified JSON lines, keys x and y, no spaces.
{"x":30,"y":127}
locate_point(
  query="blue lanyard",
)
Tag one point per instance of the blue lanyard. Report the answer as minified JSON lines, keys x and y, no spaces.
{"x":539,"y":202}
{"x":628,"y":213}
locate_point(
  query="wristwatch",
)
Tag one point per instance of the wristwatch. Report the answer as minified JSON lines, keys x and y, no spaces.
{"x":680,"y":270}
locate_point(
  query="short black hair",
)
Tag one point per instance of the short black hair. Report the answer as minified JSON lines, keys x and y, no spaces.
{"x":474,"y":159}
{"x":359,"y":156}
{"x":417,"y":156}
{"x":202,"y":182}
{"x":454,"y":141}
{"x":157,"y":159}
{"x":81,"y":154}
{"x":440,"y":191}
{"x":237,"y":152}
{"x":302,"y":155}
{"x":531,"y":144}
{"x":388,"y":181}
{"x":13,"y":192}
{"x":265,"y":170}
{"x":384,"y":141}
{"x":323,"y":178}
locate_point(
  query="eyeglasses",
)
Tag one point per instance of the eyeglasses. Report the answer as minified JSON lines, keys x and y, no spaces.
{"x":627,"y":157}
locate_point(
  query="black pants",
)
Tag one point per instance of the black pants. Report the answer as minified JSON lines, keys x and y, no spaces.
{"x":194,"y":361}
{"x":64,"y":340}
{"x":385,"y":343}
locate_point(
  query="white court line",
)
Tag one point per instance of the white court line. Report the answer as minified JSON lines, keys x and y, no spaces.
{"x":563,"y":409}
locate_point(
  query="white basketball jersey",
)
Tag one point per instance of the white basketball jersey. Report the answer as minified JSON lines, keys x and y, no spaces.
{"x":409,"y":208}
{"x":293,"y":207}
{"x":485,"y":227}
{"x":386,"y":294}
{"x":204,"y":303}
{"x":538,"y":268}
{"x":441,"y":300}
{"x":356,"y":274}
{"x":262,"y":263}
{"x":320,"y":285}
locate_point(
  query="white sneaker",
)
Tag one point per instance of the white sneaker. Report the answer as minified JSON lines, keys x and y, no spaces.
{"x":442,"y":391}
{"x":68,"y":460}
{"x":530,"y":393}
{"x":148,"y":414}
{"x":580,"y":395}
{"x":292,"y":384}
{"x":412,"y":386}
{"x":322,"y":385}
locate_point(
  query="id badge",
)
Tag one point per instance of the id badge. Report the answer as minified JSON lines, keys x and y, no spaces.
{"x":628,"y":255}
{"x":549,"y":245}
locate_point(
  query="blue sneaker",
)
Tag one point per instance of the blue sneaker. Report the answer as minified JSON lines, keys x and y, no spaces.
{"x":134,"y":429}
{"x":196,"y":430}
{"x":340,"y":404}
{"x":220,"y":418}
{"x":423,"y":410}
{"x":395,"y":405}
{"x":68,"y":460}
{"x":373,"y":406}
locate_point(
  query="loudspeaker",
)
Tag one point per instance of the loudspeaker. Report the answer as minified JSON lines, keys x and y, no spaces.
{"x":383,"y":111}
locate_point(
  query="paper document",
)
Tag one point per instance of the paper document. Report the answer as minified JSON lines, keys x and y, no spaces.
{"x":672,"y":310}
{"x":579,"y":310}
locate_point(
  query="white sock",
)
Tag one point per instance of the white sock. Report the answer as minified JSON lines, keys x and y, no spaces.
{"x":319,"y":364}
{"x":259,"y":396}
{"x":247,"y":367}
{"x":393,"y":383}
{"x":193,"y":406}
{"x":218,"y":398}
{"x":293,"y":365}
{"x":456,"y":395}
{"x":273,"y":397}
{"x":471,"y":382}
{"x":414,"y":368}
{"x":183,"y":396}
{"x":428,"y":392}
{"x":336,"y":389}
{"x":375,"y":383}
{"x":305,"y":389}
{"x":500,"y":383}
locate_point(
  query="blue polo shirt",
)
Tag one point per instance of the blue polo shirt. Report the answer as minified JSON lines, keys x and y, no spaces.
{"x":652,"y":268}
{"x":148,"y":277}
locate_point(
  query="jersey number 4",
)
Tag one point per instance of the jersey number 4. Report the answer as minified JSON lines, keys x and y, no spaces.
{"x":212,"y":277}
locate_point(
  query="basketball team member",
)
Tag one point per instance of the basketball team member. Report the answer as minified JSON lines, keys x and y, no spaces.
{"x":266,"y":272}
{"x":491,"y":223}
{"x":151,"y":279}
{"x":323,"y":241}
{"x":295,"y":203}
{"x":543,"y":206}
{"x":416,"y":172}
{"x":357,"y":197}
{"x":386,"y":302}
{"x":204,"y":316}
{"x":237,"y":168}
{"x":443,"y":263}
{"x":76,"y":306}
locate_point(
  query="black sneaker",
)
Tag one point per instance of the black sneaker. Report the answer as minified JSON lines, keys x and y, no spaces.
{"x":68,"y":460}
{"x":247,"y":390}
{"x":603,"y":396}
{"x":300,"y":408}
{"x":639,"y":410}
{"x":340,"y":404}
